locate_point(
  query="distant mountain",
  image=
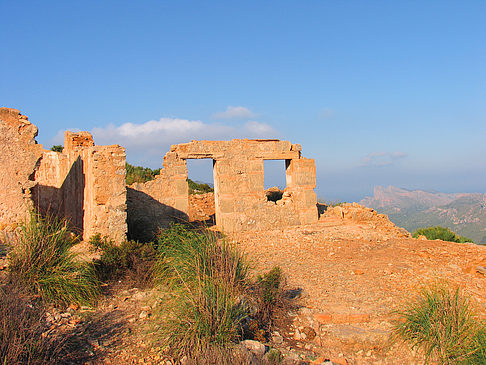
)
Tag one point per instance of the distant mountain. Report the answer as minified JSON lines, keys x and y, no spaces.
{"x":464,"y":213}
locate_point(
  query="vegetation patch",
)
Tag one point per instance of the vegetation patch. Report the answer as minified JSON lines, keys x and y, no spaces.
{"x":199,"y":188}
{"x":131,"y":259}
{"x":22,"y":326}
{"x":42,"y":263}
{"x":213,"y":301}
{"x":139,"y":174}
{"x":443,"y":326}
{"x":440,"y":233}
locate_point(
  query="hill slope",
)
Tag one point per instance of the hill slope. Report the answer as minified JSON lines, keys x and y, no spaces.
{"x":464,"y":213}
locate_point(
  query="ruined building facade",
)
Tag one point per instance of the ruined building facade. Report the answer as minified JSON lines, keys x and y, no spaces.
{"x":86,"y":183}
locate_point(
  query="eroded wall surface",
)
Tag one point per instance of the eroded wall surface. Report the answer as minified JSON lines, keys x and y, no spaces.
{"x":19,"y":155}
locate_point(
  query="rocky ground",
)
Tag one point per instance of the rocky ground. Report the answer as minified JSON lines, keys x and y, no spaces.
{"x":348,"y":272}
{"x":354,"y":268}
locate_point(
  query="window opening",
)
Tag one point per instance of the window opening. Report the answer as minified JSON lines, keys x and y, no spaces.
{"x":275,"y":180}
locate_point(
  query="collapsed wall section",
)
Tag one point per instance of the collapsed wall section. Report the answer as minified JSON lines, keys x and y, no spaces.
{"x":157,"y":203}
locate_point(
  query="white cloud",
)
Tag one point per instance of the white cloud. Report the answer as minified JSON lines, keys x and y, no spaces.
{"x":378,"y":159}
{"x":261,"y":130}
{"x":146,"y":143}
{"x":234,"y":112}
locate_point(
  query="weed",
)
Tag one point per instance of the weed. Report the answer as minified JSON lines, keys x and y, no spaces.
{"x":266,"y":294}
{"x":213,"y":304}
{"x":442,"y":324}
{"x":42,"y":262}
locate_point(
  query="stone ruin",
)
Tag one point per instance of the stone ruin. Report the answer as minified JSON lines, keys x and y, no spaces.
{"x":86,"y":184}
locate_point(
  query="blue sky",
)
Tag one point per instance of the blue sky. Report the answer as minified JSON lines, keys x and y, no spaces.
{"x":378,"y":92}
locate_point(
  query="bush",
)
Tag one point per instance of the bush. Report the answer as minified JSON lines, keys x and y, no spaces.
{"x":440,"y":233}
{"x":198,"y":188}
{"x":41,"y":261}
{"x":442,"y":324}
{"x":57,"y":148}
{"x":21,"y":328}
{"x":139,"y":174}
{"x":131,"y":259}
{"x":207,"y":280}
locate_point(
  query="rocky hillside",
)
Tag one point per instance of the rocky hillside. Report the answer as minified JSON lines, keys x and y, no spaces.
{"x":464,"y":213}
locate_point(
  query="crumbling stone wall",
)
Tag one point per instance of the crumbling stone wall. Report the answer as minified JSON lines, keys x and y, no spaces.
{"x":85,"y":183}
{"x":240,"y":200}
{"x":19,"y":155}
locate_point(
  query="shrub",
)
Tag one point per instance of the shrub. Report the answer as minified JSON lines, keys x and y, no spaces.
{"x":207,"y":279}
{"x":21,"y":328}
{"x":268,"y":294}
{"x":139,"y":174}
{"x":198,"y":188}
{"x":131,"y":259}
{"x":440,"y":233}
{"x":41,"y":261}
{"x":442,"y":324}
{"x":57,"y":148}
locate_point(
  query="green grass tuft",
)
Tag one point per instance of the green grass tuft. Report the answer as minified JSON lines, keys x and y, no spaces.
{"x":442,"y":325}
{"x":207,"y":279}
{"x":41,"y":261}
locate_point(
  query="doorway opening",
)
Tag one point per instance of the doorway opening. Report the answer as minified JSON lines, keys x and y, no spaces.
{"x":200,"y":182}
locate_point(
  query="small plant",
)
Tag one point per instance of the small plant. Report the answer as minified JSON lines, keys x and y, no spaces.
{"x":41,"y":261}
{"x":267,"y":296}
{"x":440,"y":233}
{"x":442,"y":324}
{"x":131,"y":259}
{"x":213,"y":304}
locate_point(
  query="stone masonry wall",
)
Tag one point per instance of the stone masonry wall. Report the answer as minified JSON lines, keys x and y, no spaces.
{"x":19,"y":155}
{"x":85,"y":184}
{"x":240,"y":200}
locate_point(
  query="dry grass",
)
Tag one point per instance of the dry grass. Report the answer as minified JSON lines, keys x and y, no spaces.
{"x":22,"y":324}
